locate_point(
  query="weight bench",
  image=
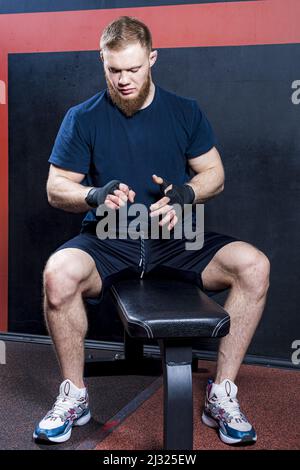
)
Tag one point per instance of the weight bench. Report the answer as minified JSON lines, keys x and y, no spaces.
{"x":173,"y":313}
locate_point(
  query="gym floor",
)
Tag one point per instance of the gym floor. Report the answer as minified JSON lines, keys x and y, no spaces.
{"x":127,"y":411}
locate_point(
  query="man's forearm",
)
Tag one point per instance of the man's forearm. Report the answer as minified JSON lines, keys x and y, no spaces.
{"x":67,"y":195}
{"x":207,"y":185}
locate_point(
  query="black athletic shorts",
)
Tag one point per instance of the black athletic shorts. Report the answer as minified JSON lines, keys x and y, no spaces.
{"x":118,"y":259}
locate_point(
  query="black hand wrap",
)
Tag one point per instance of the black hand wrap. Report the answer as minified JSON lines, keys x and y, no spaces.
{"x":179,"y":194}
{"x":97,"y":196}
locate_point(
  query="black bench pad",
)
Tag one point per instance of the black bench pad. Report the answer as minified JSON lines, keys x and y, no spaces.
{"x":157,"y":308}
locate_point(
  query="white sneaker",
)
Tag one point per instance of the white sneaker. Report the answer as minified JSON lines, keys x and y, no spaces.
{"x":222,"y":411}
{"x":70,"y":409}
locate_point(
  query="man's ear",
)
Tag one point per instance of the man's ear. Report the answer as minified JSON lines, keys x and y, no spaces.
{"x":153,"y":57}
{"x":101,"y":55}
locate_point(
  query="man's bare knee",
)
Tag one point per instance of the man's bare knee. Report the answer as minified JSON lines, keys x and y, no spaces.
{"x":256,"y":272}
{"x":69,"y":273}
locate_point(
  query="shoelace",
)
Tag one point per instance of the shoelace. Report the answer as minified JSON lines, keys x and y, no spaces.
{"x":230,"y":405}
{"x":62,"y":405}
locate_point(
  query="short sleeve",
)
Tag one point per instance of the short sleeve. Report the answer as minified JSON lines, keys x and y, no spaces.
{"x":202,"y":137}
{"x":71,"y":149}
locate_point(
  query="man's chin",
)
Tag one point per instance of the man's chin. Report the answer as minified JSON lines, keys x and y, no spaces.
{"x":129,"y":103}
{"x":131,"y":95}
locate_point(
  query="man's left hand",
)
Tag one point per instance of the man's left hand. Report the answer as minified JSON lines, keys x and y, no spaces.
{"x":172,"y":194}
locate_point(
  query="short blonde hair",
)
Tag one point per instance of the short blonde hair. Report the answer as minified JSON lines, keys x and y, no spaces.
{"x":123,"y":31}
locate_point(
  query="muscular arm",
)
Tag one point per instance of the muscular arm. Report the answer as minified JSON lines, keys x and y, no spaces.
{"x":64,"y":190}
{"x":209,"y":180}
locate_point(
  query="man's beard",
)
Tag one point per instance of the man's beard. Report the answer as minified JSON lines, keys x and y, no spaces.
{"x":129,"y":106}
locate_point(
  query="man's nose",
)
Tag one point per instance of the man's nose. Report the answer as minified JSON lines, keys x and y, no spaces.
{"x":124,"y":78}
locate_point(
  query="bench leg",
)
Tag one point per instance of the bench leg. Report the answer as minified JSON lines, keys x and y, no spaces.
{"x":178,"y":394}
{"x":133,"y":350}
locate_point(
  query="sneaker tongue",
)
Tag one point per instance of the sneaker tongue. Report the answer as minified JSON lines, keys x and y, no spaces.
{"x":225,"y":389}
{"x":68,"y":389}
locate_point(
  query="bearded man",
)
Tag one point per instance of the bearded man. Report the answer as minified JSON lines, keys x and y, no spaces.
{"x":135,"y":142}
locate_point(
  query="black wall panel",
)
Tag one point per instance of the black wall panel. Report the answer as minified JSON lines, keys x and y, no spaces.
{"x":246,"y":93}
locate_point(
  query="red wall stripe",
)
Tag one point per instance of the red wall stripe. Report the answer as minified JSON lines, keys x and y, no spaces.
{"x":203,"y":25}
{"x":213,"y":24}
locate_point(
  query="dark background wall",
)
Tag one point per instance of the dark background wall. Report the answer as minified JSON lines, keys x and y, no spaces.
{"x":246,"y":93}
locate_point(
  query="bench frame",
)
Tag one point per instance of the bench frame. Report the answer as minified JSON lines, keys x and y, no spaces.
{"x":176,"y":363}
{"x":175,"y":314}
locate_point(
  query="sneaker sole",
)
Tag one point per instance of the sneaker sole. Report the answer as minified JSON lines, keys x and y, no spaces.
{"x":210,"y":422}
{"x":64,"y":437}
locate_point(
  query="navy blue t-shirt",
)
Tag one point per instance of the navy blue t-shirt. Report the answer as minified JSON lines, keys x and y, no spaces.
{"x":99,"y":141}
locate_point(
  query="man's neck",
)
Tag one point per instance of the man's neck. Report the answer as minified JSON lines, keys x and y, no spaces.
{"x":150,"y":96}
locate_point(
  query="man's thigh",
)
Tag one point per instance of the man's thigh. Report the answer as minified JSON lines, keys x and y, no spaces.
{"x":114,"y":259}
{"x":228,"y":264}
{"x":170,"y":257}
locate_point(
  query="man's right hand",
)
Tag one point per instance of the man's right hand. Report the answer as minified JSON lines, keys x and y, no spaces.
{"x":114,"y":195}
